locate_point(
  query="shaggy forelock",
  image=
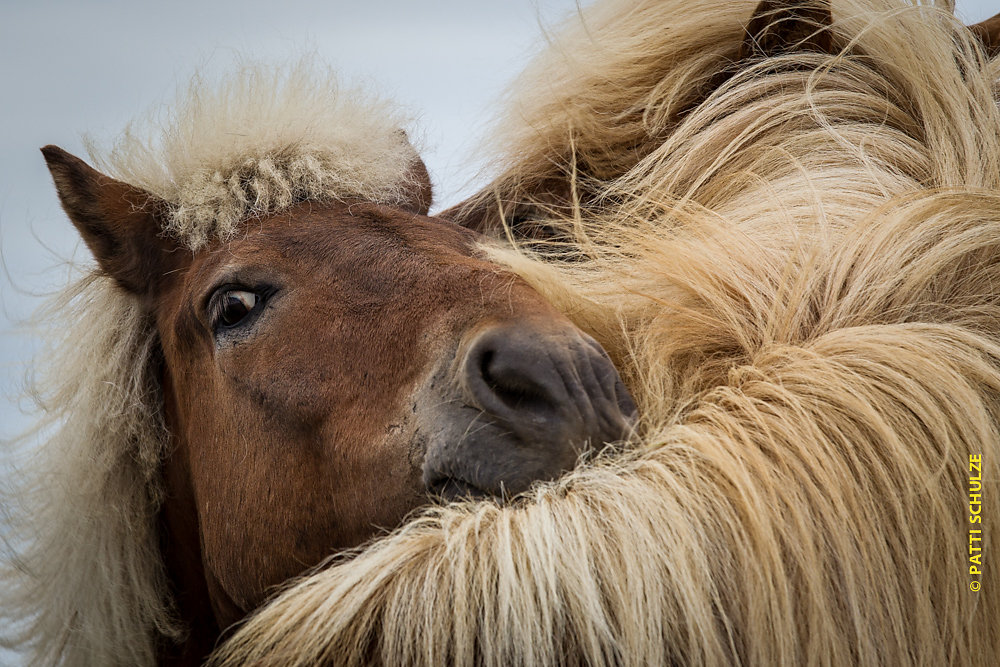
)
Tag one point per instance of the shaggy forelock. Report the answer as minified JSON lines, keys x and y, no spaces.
{"x":259,"y":140}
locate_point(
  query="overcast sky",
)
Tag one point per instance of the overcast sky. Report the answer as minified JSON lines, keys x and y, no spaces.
{"x":75,"y":67}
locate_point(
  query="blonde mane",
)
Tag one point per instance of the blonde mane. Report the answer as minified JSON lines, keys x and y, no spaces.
{"x":798,"y":280}
{"x":257,"y":142}
{"x":87,"y":586}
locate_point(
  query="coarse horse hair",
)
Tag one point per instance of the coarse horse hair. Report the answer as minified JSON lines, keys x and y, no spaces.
{"x":796,"y":270}
{"x":87,"y":586}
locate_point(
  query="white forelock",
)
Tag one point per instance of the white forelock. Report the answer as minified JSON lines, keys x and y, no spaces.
{"x":257,"y":141}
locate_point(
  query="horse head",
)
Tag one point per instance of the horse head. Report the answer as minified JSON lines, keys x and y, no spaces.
{"x":328,"y":369}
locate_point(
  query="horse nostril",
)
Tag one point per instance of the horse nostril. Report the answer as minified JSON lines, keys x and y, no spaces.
{"x":510,"y":376}
{"x":553,"y":387}
{"x":517,"y":383}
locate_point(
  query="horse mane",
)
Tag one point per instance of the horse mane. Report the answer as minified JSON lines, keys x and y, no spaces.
{"x":86,"y":584}
{"x":260,"y":140}
{"x":797,"y":279}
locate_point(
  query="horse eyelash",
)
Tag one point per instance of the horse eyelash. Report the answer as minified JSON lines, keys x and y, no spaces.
{"x":214,"y":306}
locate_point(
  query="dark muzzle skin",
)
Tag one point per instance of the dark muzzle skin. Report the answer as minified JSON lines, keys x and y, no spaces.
{"x":535,"y":396}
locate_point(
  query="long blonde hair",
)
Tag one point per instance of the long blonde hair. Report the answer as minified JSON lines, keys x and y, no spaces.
{"x":798,"y":279}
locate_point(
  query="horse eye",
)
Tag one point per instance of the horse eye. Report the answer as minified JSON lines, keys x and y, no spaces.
{"x":234,"y":306}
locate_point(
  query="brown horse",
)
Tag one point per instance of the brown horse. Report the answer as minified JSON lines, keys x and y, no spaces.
{"x":327,"y":369}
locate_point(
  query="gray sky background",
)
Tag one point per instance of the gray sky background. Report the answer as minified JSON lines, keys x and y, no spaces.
{"x":73,"y":67}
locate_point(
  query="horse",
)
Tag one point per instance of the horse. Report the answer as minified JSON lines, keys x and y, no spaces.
{"x":781,"y":220}
{"x":278,"y":356}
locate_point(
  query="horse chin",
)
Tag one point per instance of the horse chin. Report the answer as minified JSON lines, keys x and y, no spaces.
{"x":451,"y":489}
{"x":470,"y":457}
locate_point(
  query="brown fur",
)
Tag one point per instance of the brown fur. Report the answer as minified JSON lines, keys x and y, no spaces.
{"x":988,"y":32}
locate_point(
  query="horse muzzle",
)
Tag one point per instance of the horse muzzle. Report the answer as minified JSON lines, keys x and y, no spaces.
{"x":535,"y":396}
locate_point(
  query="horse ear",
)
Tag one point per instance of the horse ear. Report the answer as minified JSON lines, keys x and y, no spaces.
{"x":419,"y":191}
{"x":481,"y":212}
{"x":781,"y":26}
{"x":120,"y":224}
{"x":988,"y":32}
